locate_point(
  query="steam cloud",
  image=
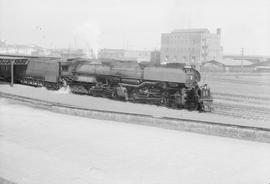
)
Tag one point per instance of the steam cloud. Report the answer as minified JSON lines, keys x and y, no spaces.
{"x":89,"y":34}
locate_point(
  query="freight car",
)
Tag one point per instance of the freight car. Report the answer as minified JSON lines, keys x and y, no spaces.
{"x":126,"y":80}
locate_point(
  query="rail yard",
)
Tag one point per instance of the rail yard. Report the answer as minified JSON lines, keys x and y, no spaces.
{"x":134,"y":92}
{"x":32,"y":109}
{"x":237,"y":96}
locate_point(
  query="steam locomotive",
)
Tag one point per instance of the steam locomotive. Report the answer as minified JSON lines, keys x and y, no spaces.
{"x":174,"y":87}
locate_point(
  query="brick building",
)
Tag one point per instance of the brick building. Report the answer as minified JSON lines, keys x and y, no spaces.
{"x":191,"y":46}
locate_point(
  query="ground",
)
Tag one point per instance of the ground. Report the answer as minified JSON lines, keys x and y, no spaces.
{"x":38,"y":146}
{"x":64,"y":96}
{"x":251,"y":84}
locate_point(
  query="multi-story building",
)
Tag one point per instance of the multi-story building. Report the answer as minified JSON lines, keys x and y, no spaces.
{"x":121,"y":54}
{"x":191,"y":46}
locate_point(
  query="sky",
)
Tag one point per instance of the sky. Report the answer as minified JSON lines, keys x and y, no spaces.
{"x":134,"y":24}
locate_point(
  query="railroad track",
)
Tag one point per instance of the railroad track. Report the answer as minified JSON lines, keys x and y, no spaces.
{"x":46,"y":105}
{"x":225,"y":109}
{"x":252,"y":132}
{"x":242,"y":98}
{"x":242,"y":111}
{"x":243,"y":106}
{"x":220,"y":108}
{"x":237,"y":81}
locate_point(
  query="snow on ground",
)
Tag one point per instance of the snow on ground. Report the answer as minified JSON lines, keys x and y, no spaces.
{"x":38,"y":146}
{"x":99,"y":103}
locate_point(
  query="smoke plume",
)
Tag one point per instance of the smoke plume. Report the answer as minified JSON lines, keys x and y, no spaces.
{"x":88,"y":34}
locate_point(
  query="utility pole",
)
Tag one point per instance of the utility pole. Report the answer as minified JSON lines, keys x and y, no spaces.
{"x":242,"y":58}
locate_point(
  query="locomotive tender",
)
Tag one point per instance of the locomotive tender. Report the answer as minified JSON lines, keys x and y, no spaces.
{"x":126,"y":80}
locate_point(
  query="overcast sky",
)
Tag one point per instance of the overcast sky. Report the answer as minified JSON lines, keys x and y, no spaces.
{"x":134,"y":24}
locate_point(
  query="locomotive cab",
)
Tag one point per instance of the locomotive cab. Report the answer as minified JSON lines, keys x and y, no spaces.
{"x":192,"y":76}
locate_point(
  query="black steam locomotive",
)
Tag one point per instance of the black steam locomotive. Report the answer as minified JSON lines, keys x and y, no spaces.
{"x":175,"y":87}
